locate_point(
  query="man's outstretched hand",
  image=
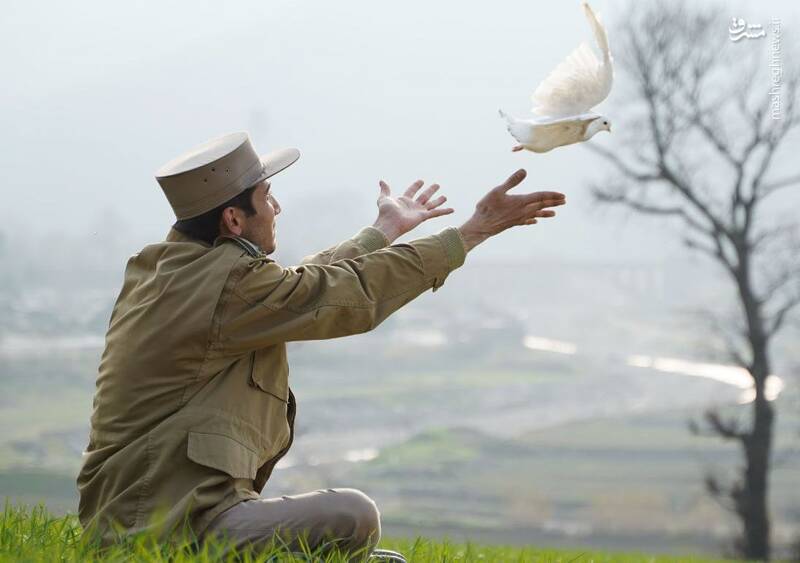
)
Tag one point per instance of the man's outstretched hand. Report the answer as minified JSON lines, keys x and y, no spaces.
{"x":498,"y":210}
{"x":399,"y":215}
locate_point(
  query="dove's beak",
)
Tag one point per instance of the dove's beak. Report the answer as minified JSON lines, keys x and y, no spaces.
{"x":609,"y":128}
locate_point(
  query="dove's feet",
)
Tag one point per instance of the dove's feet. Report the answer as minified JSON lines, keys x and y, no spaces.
{"x":517,"y":148}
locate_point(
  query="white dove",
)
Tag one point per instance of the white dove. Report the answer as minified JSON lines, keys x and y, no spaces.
{"x":562,"y":103}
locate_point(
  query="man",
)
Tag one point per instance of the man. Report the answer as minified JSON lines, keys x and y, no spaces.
{"x":193,"y":408}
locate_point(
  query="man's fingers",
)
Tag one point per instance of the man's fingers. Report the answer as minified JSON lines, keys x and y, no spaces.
{"x":427,"y":193}
{"x":413,"y":188}
{"x":543,"y":196}
{"x":544,"y":204}
{"x":434,"y":203}
{"x":512,"y":181}
{"x":385,"y":190}
{"x":439,"y":212}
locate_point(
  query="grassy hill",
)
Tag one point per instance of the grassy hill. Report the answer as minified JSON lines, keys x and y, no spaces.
{"x":33,"y":535}
{"x":626,"y":483}
{"x":595,"y":474}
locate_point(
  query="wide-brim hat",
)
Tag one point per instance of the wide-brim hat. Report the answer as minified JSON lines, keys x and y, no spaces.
{"x":212,"y":173}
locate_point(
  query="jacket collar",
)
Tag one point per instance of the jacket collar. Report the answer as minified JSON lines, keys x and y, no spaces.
{"x":175,"y":235}
{"x":251,"y":248}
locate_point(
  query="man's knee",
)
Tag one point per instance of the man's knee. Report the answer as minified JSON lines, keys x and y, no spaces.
{"x":364,"y":515}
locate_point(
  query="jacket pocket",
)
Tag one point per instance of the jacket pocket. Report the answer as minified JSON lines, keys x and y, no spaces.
{"x":269,"y":371}
{"x":223,"y":453}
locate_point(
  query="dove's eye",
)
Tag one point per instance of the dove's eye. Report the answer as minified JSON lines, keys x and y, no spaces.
{"x":605,"y":123}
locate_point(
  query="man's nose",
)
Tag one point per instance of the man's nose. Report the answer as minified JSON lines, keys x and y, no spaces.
{"x":276,"y":205}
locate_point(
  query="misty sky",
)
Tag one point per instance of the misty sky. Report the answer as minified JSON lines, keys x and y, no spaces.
{"x":97,"y":95}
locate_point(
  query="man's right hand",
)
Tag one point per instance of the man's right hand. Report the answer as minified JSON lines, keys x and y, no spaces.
{"x":498,"y":211}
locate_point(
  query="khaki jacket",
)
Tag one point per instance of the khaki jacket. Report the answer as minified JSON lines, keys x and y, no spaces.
{"x":192,"y":408}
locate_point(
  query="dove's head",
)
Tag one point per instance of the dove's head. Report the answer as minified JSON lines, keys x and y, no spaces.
{"x":598,"y":124}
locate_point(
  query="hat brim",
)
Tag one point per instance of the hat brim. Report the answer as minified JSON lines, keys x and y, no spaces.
{"x":274,"y":162}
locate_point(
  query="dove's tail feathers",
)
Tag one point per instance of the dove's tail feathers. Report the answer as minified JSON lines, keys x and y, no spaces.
{"x":598,"y":29}
{"x":518,"y":129}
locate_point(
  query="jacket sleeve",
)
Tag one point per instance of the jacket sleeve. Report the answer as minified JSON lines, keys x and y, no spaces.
{"x":270,"y":304}
{"x":366,"y":240}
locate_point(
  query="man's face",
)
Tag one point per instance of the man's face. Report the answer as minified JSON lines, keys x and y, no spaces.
{"x":260,"y":228}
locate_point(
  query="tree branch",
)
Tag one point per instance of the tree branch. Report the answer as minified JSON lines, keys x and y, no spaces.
{"x":765,"y":235}
{"x":701,"y":206}
{"x":650,"y":209}
{"x":722,"y":147}
{"x":772,"y":187}
{"x":780,"y":314}
{"x":724,"y":496}
{"x":622,"y":166}
{"x":716,"y":253}
{"x":786,"y":275}
{"x":731,"y":348}
{"x":729,"y":429}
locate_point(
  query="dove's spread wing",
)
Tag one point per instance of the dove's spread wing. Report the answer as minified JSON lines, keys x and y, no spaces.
{"x":597,"y":28}
{"x":554,"y":120}
{"x":581,"y":81}
{"x":563,"y":132}
{"x":545,"y":134}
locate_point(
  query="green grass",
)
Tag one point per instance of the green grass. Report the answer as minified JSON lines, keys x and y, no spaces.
{"x":33,"y":535}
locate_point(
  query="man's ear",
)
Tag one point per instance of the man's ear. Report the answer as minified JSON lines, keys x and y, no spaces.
{"x":230,"y":222}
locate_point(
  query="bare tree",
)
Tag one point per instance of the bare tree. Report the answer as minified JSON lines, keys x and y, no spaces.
{"x":701,"y":144}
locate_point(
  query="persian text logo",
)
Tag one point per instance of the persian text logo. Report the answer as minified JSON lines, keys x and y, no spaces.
{"x":775,"y":70}
{"x":739,"y":29}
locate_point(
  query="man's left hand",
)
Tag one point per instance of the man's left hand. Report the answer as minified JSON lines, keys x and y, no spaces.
{"x":399,"y":215}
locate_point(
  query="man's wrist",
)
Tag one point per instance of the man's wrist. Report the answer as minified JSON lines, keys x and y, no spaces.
{"x":391,"y":232}
{"x":471,"y":235}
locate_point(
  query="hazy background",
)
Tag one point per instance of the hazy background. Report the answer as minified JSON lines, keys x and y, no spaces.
{"x":96,"y":96}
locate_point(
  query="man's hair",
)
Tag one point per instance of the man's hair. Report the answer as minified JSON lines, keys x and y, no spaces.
{"x":205,"y":227}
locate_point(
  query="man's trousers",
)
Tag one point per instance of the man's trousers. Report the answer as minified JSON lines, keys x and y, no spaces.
{"x":342,"y":517}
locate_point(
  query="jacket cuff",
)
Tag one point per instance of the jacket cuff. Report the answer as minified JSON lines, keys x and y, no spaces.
{"x":454,"y":247}
{"x":371,"y":239}
{"x":441,"y":253}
